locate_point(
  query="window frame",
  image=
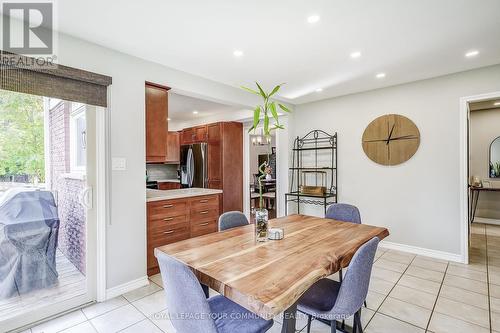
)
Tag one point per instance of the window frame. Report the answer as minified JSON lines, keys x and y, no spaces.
{"x":77,"y":112}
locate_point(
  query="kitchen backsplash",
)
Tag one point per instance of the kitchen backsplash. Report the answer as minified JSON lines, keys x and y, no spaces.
{"x":162,"y":171}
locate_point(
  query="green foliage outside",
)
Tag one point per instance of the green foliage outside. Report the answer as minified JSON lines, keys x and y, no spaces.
{"x":21,"y":135}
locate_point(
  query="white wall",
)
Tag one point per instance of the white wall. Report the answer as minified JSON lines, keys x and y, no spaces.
{"x":484,"y":128}
{"x":126,"y":233}
{"x":419,"y":200}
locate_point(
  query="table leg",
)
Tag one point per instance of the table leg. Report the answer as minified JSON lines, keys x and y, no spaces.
{"x":205,"y":290}
{"x":289,"y":318}
{"x":475,"y":207}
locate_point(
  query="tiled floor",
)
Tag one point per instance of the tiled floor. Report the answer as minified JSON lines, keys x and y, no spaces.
{"x":408,"y":293}
{"x":71,"y":283}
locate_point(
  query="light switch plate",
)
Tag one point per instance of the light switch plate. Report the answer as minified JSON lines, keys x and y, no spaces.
{"x":119,"y":163}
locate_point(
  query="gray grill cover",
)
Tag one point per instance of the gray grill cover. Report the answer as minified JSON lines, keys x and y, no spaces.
{"x":29,"y":226}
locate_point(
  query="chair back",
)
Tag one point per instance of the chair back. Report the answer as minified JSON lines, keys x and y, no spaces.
{"x":354,"y":287}
{"x":186,"y":303}
{"x":232,"y":219}
{"x":343,"y":212}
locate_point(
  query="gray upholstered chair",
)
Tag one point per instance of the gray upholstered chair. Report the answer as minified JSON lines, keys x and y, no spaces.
{"x":332,"y":300}
{"x":343,"y":212}
{"x":232,"y":219}
{"x":190,"y":311}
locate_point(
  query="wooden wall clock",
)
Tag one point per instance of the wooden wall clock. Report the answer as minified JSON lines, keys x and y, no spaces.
{"x":391,"y":139}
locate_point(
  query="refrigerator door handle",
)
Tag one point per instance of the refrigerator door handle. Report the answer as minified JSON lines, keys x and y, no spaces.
{"x":204,"y":156}
{"x":190,"y":167}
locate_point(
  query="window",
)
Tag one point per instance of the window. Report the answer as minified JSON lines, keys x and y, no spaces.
{"x":78,"y":138}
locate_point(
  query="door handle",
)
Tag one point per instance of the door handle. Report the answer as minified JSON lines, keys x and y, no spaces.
{"x":169,"y":232}
{"x":168,"y":219}
{"x":204,"y":212}
{"x":168,"y":206}
{"x":203,"y":224}
{"x":204,"y":201}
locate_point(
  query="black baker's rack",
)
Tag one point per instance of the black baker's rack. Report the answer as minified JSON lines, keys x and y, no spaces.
{"x":313,"y":143}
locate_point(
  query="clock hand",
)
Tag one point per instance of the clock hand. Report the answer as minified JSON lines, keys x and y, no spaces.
{"x":380,"y":140}
{"x":405,"y":137}
{"x":390,"y":134}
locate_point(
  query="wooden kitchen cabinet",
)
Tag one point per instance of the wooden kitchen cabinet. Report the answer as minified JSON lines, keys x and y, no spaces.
{"x":168,"y":185}
{"x":194,"y":135}
{"x":170,"y":221}
{"x":200,"y":134}
{"x":173,"y":147}
{"x":156,"y":123}
{"x":187,"y":136}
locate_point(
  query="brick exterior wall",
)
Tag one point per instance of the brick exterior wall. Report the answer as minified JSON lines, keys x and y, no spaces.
{"x":72,"y":214}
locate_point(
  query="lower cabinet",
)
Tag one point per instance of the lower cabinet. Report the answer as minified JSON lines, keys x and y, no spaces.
{"x":169,"y":185}
{"x":170,"y":221}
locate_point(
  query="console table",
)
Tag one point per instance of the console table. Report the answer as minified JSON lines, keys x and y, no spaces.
{"x":474,"y":198}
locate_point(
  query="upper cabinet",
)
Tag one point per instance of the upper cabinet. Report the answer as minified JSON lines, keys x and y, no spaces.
{"x":173,"y":147}
{"x":194,"y":135}
{"x":156,"y":123}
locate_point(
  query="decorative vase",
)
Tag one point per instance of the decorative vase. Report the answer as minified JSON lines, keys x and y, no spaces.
{"x":261,"y":224}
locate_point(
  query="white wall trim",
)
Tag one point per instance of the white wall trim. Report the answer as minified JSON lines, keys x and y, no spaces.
{"x":422,"y":251}
{"x":464,"y":165}
{"x":127,"y":287}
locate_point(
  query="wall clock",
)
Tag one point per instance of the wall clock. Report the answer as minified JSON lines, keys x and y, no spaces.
{"x":391,"y":139}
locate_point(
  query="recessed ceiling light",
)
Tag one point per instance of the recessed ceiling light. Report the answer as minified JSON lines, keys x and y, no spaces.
{"x":472,"y":53}
{"x":168,"y":119}
{"x":355,"y":55}
{"x":313,"y":19}
{"x":319,"y":90}
{"x":496,"y":103}
{"x":195,"y":112}
{"x":238,"y":53}
{"x":380,"y":75}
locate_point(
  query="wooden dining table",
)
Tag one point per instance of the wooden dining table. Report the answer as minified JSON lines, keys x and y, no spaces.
{"x":268,"y":278}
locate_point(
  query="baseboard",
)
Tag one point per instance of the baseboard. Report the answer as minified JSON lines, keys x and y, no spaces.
{"x":126,"y":287}
{"x":422,"y":251}
{"x":486,"y":220}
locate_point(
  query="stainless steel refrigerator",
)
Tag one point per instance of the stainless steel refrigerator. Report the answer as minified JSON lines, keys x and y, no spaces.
{"x":194,"y":165}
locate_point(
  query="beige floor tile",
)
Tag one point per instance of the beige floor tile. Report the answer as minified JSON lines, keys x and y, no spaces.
{"x":390,"y":265}
{"x":385,"y":274}
{"x":475,"y":266}
{"x":467,"y":273}
{"x":384,"y":324}
{"x":465,"y":296}
{"x":157,"y":279}
{"x":380,"y":286}
{"x":471,"y":285}
{"x":85,"y":327}
{"x":118,"y":319}
{"x":495,"y":304}
{"x":319,"y":327}
{"x":161,"y":319}
{"x":495,"y":290}
{"x":425,"y":274}
{"x":493,"y":261}
{"x":97,"y":309}
{"x":441,"y":323}
{"x":430,"y":264}
{"x":463,"y":311}
{"x":495,"y":321}
{"x":407,"y":312}
{"x":151,"y":304}
{"x":145,"y":326}
{"x":134,"y":295}
{"x":409,"y":281}
{"x":374,"y":299}
{"x":413,"y":296}
{"x":398,"y":257}
{"x":60,"y":323}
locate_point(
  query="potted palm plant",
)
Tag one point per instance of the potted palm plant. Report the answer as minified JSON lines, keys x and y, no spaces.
{"x":266,"y":110}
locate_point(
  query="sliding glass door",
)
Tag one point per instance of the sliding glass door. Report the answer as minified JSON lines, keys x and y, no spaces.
{"x":47,"y":207}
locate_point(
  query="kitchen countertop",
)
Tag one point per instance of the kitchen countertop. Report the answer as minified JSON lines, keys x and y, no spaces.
{"x":172,"y":180}
{"x":157,"y":195}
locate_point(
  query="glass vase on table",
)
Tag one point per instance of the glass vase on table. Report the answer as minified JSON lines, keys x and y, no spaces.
{"x":261,"y":224}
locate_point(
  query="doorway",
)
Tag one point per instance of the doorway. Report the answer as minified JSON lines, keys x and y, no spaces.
{"x":48,"y":170}
{"x":476,"y":169}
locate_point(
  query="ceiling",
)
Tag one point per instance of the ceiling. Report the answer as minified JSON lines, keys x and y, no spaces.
{"x":181,"y":108}
{"x":407,"y":40}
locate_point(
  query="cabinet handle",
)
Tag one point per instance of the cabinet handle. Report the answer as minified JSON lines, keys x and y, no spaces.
{"x":168,"y":206}
{"x":203,"y":224}
{"x":168,"y":219}
{"x":203,"y":201}
{"x":204,"y":212}
{"x":169,"y":232}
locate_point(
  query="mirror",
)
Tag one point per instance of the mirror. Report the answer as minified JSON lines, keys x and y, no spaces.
{"x":495,"y":158}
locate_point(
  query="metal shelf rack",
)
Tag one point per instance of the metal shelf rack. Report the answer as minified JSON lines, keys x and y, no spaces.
{"x":318,"y":145}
